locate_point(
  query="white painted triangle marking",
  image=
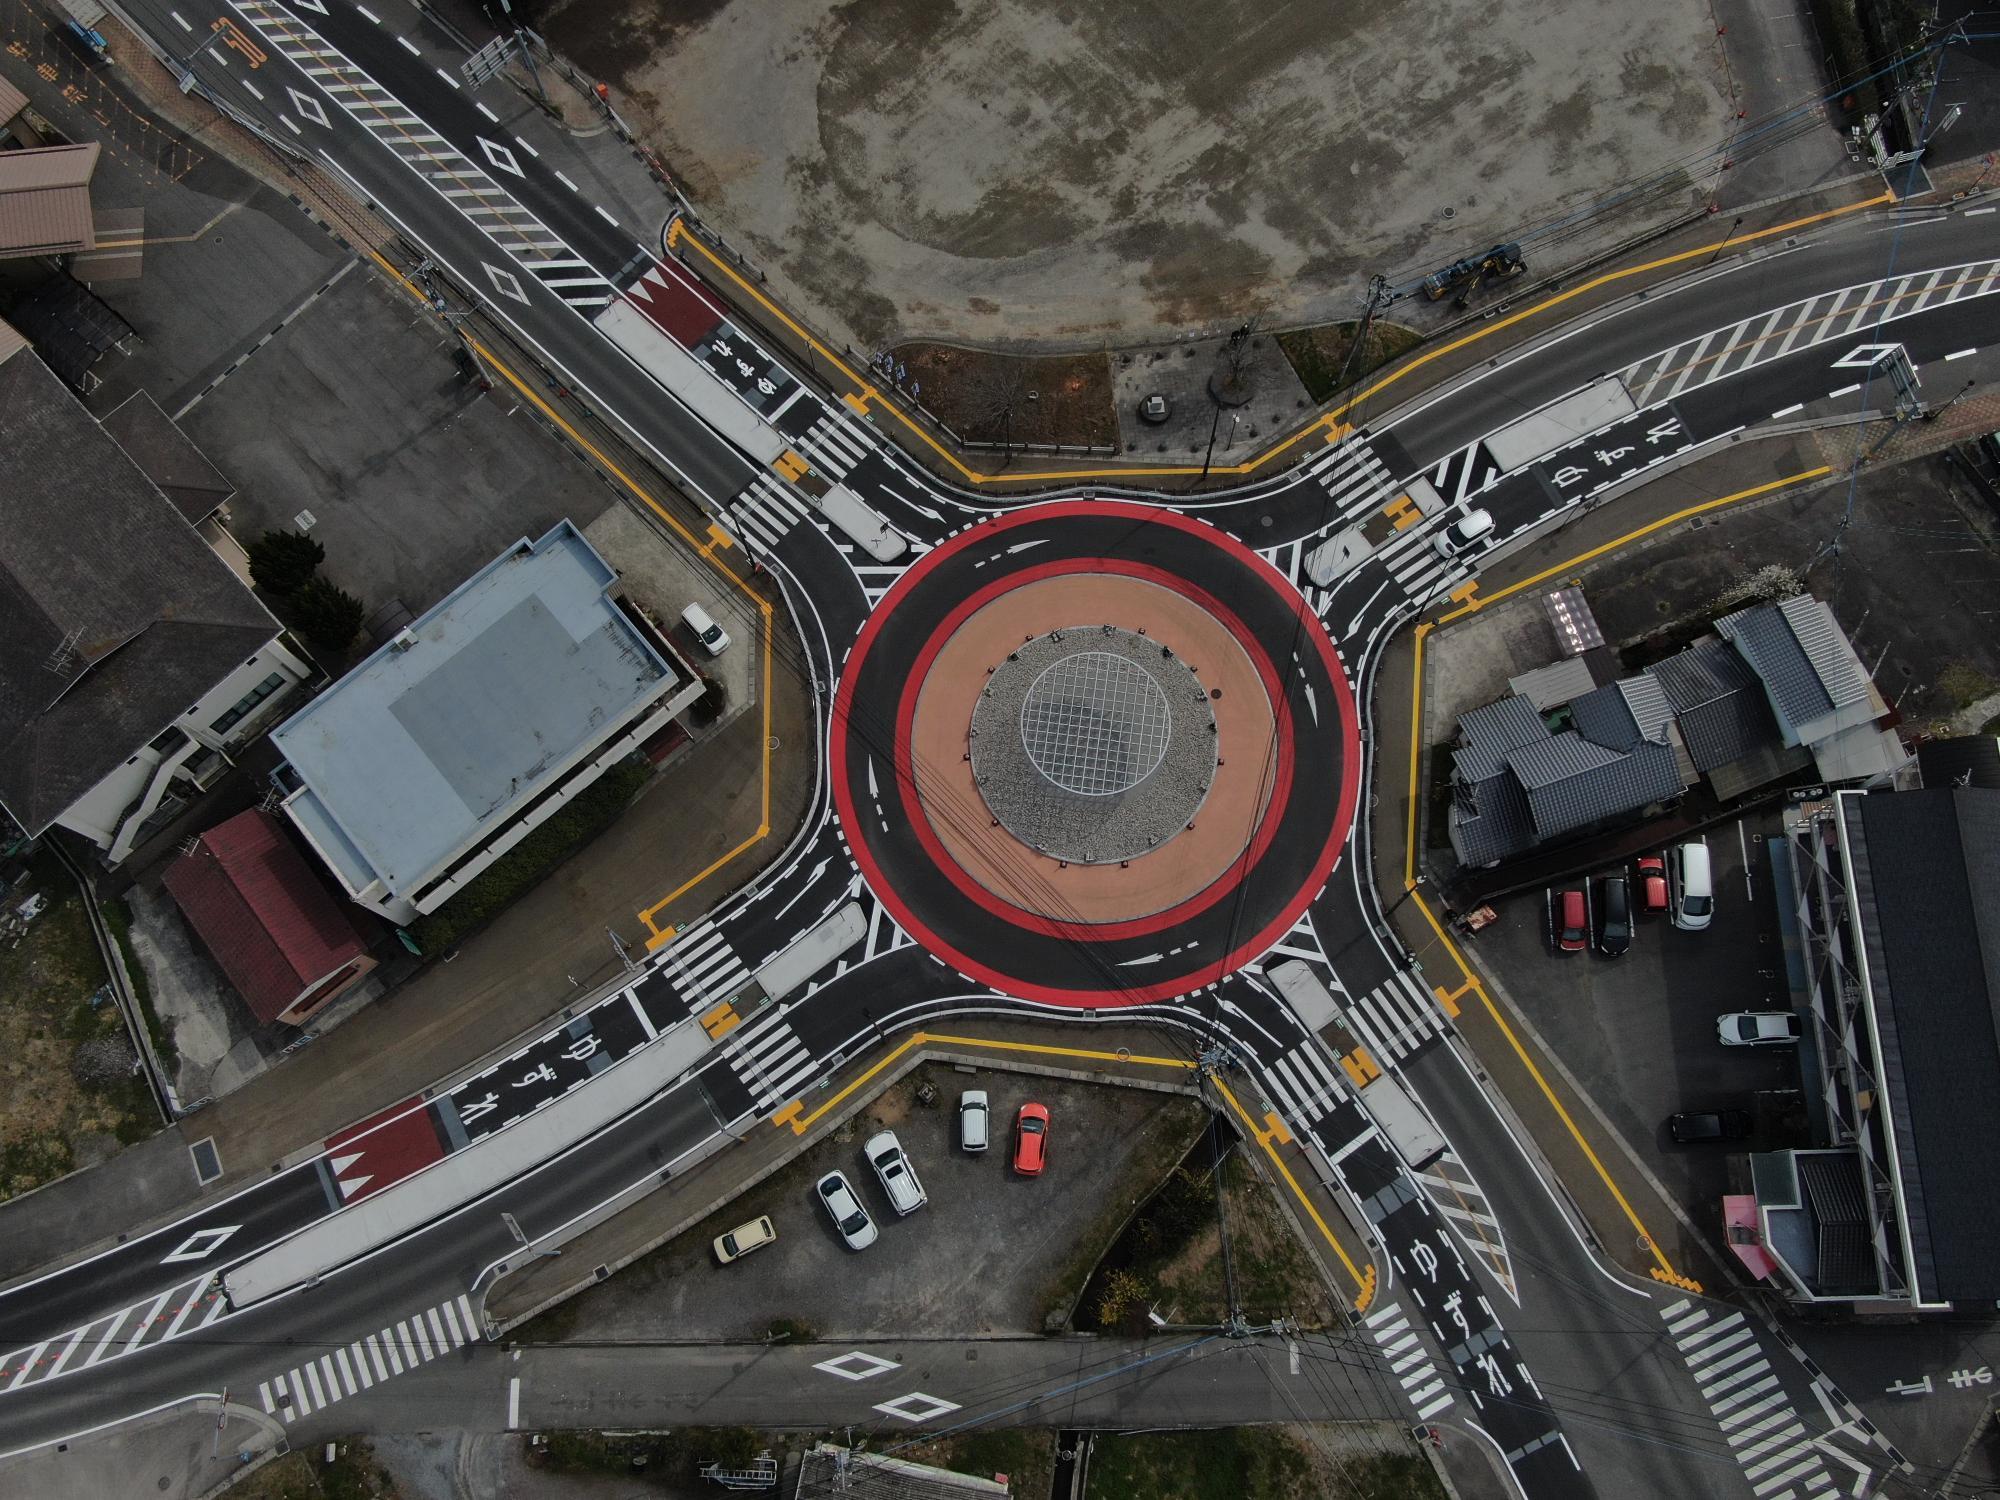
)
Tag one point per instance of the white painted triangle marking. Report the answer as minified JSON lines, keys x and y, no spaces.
{"x":341,"y":1163}
{"x":349,"y":1187}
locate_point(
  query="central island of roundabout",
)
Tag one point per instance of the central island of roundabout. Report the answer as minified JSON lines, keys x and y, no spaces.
{"x":1093,"y":753}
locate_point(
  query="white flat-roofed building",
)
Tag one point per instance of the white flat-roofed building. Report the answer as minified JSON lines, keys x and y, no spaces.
{"x":480,"y":720}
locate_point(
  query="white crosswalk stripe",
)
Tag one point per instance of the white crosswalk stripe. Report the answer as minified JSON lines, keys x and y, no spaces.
{"x":352,"y":1368}
{"x":766,"y":512}
{"x":473,"y":190}
{"x":1355,"y":480}
{"x":1409,"y":1360}
{"x":704,"y":967}
{"x":1766,"y":1436}
{"x":1396,"y":1017}
{"x":832,"y":446}
{"x":1848,"y":313}
{"x":770,"y":1060}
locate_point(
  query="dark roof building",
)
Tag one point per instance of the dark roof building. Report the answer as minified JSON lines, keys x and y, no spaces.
{"x":1817,"y":689}
{"x":286,"y":944}
{"x":1891,"y":903}
{"x":169,"y":458}
{"x":127,"y":647}
{"x":1968,"y":760}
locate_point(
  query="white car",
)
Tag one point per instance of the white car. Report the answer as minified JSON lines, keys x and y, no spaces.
{"x":972,"y":1119}
{"x":744,"y":1238}
{"x":899,"y":1179}
{"x":1464,"y":534}
{"x":848,"y":1216}
{"x":1758,"y":1028}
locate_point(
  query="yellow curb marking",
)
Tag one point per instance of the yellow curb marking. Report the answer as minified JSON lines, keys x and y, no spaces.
{"x":719,"y":1022}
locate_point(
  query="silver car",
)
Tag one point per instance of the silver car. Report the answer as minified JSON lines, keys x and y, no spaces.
{"x":848,"y":1216}
{"x":899,"y":1179}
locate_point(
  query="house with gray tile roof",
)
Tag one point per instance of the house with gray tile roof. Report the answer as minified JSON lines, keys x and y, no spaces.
{"x":1817,"y":689}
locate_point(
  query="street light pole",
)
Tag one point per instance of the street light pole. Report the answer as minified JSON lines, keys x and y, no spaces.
{"x":1725,"y":240}
{"x":1937,"y":411}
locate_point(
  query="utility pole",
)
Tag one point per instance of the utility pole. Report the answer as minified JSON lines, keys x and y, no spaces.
{"x":1725,"y":240}
{"x":1378,"y":297}
{"x":1937,"y":411}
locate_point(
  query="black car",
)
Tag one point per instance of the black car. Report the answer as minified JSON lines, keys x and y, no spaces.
{"x":1714,"y":1125}
{"x":1614,"y":915}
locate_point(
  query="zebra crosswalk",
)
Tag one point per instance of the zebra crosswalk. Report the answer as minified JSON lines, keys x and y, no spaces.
{"x":1770,"y":1443}
{"x":766,"y":512}
{"x":1413,"y":561}
{"x":1409,"y":1361}
{"x":832,"y":446}
{"x":1303,"y":1085}
{"x":352,"y":1368}
{"x":1396,"y":1018}
{"x":704,"y":966}
{"x":1355,"y":479}
{"x":769,"y":1060}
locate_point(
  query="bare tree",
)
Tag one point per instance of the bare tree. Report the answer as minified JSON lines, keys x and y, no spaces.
{"x":995,"y":389}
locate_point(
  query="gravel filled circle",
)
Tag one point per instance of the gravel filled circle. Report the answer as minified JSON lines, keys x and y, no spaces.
{"x":1093,"y":744}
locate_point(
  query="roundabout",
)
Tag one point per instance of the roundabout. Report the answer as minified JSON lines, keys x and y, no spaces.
{"x":1121,"y":758}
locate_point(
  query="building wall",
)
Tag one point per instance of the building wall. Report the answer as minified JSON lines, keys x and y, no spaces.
{"x":125,"y":798}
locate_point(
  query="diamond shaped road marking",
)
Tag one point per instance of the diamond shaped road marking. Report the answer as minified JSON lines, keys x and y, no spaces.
{"x":862,"y":1366}
{"x":308,"y":106}
{"x":500,"y":156}
{"x":916,"y":1407}
{"x":201,"y":1244}
{"x":506,"y":283}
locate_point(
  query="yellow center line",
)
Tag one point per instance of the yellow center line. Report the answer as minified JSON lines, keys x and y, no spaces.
{"x":1329,"y":424}
{"x":1365,"y":1284}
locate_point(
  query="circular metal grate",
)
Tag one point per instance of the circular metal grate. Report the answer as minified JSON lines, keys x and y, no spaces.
{"x":1095,"y":724}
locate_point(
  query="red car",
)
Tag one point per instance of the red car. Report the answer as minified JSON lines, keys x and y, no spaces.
{"x":1652,"y":883}
{"x":1569,"y":921}
{"x":1031,"y":1140}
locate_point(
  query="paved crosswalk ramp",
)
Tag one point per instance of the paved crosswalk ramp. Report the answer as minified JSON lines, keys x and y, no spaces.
{"x":1409,"y":1361}
{"x":832,"y":446}
{"x":1764,"y":1432}
{"x":323,"y":1379}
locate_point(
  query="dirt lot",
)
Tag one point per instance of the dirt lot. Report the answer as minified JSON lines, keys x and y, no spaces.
{"x":1257,"y":1463}
{"x":1055,"y":174}
{"x":990,"y":1253}
{"x":66,"y":1097}
{"x":998,"y":398}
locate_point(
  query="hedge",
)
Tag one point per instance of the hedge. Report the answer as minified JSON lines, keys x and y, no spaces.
{"x":529,"y":862}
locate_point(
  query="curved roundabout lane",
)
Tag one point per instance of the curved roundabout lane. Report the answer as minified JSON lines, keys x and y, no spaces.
{"x":903,"y":806}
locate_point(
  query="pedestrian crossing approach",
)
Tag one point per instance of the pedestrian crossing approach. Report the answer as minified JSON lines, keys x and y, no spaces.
{"x":1765,"y":1434}
{"x":183,"y":1309}
{"x":1413,"y":561}
{"x":1303,"y":1085}
{"x":466,"y":185}
{"x":1849,"y":313}
{"x":1356,"y":481}
{"x":1409,"y":1361}
{"x":832,"y":446}
{"x":1396,"y":1018}
{"x":766,"y":512}
{"x":704,"y":967}
{"x":403,"y":1345}
{"x":769,"y":1060}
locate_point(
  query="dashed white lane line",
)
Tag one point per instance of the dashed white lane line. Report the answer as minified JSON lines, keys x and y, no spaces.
{"x":410,"y":47}
{"x":564,"y":180}
{"x":513,"y":1402}
{"x":1960,"y":355}
{"x":1795,"y":407}
{"x":526,"y":147}
{"x":605,"y":215}
{"x":1846,"y":390}
{"x":290,"y":126}
{"x":369,"y":14}
{"x":177,"y":18}
{"x":1973,"y":213}
{"x":486,"y":112}
{"x":252,"y":90}
{"x":447,"y":78}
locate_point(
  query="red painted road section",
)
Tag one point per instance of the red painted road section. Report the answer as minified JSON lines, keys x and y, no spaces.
{"x":384,"y":1149}
{"x":682,"y":312}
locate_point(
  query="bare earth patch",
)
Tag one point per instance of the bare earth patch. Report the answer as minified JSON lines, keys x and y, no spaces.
{"x":1014,"y":399}
{"x":1065,"y":172}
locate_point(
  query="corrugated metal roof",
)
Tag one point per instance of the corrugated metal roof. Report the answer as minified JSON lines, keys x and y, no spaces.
{"x":1491,"y":732}
{"x":12,"y":101}
{"x":1648,"y":702}
{"x":11,"y":342}
{"x":1825,"y":645}
{"x":1774,"y":653}
{"x":1556,"y":684}
{"x":45,"y":199}
{"x":1611,"y":787}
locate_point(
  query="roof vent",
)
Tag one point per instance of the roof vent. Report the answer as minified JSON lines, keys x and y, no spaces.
{"x":403,"y":642}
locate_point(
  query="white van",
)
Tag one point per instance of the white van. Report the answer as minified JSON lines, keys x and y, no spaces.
{"x":714,"y":639}
{"x":1693,"y":889}
{"x":1459,"y":537}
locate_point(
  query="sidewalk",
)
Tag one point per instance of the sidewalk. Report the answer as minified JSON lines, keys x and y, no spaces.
{"x":182,"y":1453}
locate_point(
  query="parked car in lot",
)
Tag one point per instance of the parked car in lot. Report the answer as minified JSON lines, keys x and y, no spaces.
{"x":1652,"y":878}
{"x":972,"y":1120}
{"x":1759,"y":1028}
{"x":1693,"y":887}
{"x":1713,"y":1125}
{"x":744,"y":1238}
{"x":1569,"y":921}
{"x":1031,"y":1139}
{"x":848,"y":1216}
{"x":892,"y":1168}
{"x":1614,"y":915}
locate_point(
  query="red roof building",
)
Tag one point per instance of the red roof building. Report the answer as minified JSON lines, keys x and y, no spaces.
{"x":287,"y":946}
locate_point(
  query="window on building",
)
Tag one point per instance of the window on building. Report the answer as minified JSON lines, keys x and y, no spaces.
{"x":242,"y":707}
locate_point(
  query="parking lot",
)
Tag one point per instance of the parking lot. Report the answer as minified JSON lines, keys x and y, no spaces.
{"x":1639,"y":1031}
{"x":989,"y":1254}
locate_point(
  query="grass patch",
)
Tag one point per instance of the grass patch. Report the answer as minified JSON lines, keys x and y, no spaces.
{"x":303,"y":1475}
{"x":1252,"y":1463}
{"x":670,"y":1458}
{"x":1318,"y":354}
{"x":67,"y":1097}
{"x":1962,"y":684}
{"x":1026,"y":1455}
{"x":529,"y":862}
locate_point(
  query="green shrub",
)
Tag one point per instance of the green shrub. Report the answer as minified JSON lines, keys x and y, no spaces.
{"x":282,"y":562}
{"x":327,"y":615}
{"x":524,"y":866}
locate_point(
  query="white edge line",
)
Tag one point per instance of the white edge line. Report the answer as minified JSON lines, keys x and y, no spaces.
{"x":1960,"y":355}
{"x":1795,"y":407}
{"x":605,"y":214}
{"x":448,"y":78}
